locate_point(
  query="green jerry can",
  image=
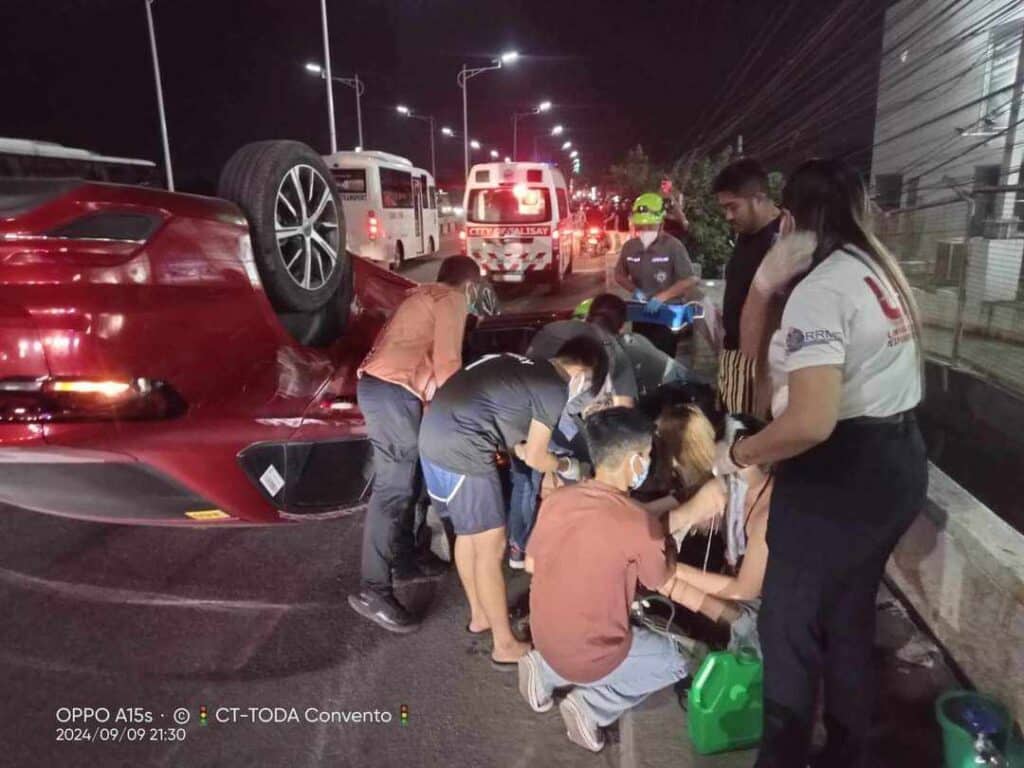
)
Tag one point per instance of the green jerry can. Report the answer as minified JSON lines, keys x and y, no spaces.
{"x":726,"y":709}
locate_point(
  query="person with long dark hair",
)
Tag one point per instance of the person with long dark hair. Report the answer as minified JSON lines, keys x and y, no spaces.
{"x":850,"y":466}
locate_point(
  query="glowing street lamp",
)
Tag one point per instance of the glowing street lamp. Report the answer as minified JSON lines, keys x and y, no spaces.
{"x":405,"y":111}
{"x":509,"y":57}
{"x":544,"y":106}
{"x":558,"y":130}
{"x":352,"y":82}
{"x":567,"y":145}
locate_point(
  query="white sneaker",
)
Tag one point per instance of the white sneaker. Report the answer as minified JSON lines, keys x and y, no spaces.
{"x":579,"y":724}
{"x":530,"y":686}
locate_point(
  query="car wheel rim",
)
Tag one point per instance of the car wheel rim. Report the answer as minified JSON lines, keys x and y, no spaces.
{"x":306,"y":226}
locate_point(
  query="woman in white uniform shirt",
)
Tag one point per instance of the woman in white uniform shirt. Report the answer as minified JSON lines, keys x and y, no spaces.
{"x":851,"y":469}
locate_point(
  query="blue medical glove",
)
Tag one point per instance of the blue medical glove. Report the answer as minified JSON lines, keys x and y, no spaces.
{"x":639,"y":295}
{"x":653,"y":305}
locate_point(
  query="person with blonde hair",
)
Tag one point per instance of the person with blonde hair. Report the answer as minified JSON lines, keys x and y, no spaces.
{"x":689,"y":438}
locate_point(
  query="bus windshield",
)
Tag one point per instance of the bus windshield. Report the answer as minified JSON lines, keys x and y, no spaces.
{"x":509,"y":205}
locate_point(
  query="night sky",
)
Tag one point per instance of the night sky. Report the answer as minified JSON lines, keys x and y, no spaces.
{"x":619,"y":73}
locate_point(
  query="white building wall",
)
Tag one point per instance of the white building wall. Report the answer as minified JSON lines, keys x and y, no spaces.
{"x":934,"y":64}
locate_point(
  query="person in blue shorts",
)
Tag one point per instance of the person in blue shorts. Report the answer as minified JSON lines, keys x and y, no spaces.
{"x":496,"y":404}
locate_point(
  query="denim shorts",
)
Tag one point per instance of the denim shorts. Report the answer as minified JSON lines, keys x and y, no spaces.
{"x":473,"y":503}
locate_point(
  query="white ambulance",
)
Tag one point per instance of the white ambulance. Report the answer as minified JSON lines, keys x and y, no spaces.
{"x":518,"y":225}
{"x":390,"y":206}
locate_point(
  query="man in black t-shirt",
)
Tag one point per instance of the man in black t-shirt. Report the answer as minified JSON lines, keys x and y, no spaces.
{"x":742,"y":192}
{"x":496,"y":404}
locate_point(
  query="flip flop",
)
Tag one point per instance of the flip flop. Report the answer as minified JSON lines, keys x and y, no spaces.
{"x":477,"y":632}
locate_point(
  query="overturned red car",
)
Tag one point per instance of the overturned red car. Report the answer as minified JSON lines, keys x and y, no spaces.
{"x":182,"y":360}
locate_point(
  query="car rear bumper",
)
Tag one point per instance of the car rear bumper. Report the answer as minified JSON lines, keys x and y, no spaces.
{"x":99,"y":486}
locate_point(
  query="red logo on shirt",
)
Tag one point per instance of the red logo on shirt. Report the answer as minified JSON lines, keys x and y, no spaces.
{"x":901,"y":331}
{"x":893,"y":313}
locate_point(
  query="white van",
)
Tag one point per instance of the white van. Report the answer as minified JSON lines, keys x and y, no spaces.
{"x":518,"y":226}
{"x":390,"y":206}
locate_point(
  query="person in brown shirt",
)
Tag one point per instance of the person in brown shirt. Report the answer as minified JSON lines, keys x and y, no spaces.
{"x":590,"y":547}
{"x":415,"y":353}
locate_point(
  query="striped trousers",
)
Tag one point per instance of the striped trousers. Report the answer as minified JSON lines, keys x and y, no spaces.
{"x":736,"y":383}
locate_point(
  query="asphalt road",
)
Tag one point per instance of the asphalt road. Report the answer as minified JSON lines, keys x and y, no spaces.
{"x":253,"y":625}
{"x":114,"y":617}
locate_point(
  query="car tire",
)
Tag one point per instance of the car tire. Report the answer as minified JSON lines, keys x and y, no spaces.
{"x":295,"y":219}
{"x":399,"y":255}
{"x":324,"y":326}
{"x":432,"y":246}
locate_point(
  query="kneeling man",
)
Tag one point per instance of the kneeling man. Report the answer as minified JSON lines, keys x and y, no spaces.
{"x":591,"y":545}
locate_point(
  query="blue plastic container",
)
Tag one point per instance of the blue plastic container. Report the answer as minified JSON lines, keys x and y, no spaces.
{"x":675,"y":316}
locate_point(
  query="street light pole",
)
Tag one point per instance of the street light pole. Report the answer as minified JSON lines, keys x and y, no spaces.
{"x":465,"y":74}
{"x":403,"y":110}
{"x":515,"y":138}
{"x":160,"y":97}
{"x":433,"y":156}
{"x":544,"y":106}
{"x":327,"y":78}
{"x":463,"y":78}
{"x":359,"y":109}
{"x":358,"y":86}
{"x":352,"y":82}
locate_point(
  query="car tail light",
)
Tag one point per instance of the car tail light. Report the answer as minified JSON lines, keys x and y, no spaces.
{"x":372,"y":225}
{"x":67,"y":399}
{"x":595,"y":230}
{"x":463,"y":245}
{"x":462,"y":235}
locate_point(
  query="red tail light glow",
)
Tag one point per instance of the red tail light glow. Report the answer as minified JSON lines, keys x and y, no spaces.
{"x":372,"y":225}
{"x":595,"y":230}
{"x":462,"y":235}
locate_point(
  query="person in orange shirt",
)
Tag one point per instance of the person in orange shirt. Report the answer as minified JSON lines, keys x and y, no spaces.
{"x":415,"y":353}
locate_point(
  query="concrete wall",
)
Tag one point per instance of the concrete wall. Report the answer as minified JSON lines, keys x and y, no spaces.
{"x":962,"y":568}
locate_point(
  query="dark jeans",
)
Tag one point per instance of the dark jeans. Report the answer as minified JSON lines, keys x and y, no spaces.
{"x":837,"y":513}
{"x":523,"y":503}
{"x":659,"y":335}
{"x":393,"y":417}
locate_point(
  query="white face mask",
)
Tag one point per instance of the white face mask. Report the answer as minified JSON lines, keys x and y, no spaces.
{"x":647,"y":236}
{"x":639,"y":476}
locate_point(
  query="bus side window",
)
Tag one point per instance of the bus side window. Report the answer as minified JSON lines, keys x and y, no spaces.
{"x":432,"y":197}
{"x":563,"y":204}
{"x":396,"y":188}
